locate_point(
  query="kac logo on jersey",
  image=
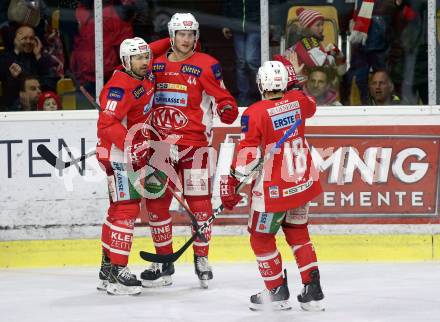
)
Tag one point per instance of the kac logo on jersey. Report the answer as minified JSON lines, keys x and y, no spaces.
{"x":115,"y":93}
{"x":244,"y":123}
{"x":158,"y":67}
{"x":138,"y":92}
{"x":170,"y":98}
{"x":284,"y":120}
{"x":217,"y":71}
{"x":168,"y":117}
{"x":191,"y":70}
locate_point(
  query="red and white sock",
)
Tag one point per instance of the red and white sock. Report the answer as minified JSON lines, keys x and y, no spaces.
{"x":105,"y":238}
{"x":162,"y":233}
{"x":121,"y":239}
{"x":201,"y":248}
{"x":271,"y":269}
{"x":306,"y":260}
{"x":298,"y":239}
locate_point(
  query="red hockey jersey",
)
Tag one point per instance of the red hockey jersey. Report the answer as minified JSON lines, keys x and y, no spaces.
{"x":287,"y":180}
{"x":186,"y":98}
{"x":125,"y":102}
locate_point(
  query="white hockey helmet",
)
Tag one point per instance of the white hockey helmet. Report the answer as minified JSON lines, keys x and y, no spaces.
{"x":130,"y":47}
{"x":182,"y":21}
{"x":272,"y":76}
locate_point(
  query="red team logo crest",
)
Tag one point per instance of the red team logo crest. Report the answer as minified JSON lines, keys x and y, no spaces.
{"x":168,"y":118}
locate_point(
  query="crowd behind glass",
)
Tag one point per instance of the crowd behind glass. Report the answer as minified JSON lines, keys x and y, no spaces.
{"x":376,"y":57}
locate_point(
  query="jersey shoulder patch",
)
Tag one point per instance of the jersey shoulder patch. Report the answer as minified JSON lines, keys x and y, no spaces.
{"x":244,"y":123}
{"x":217,"y":71}
{"x":158,"y":67}
{"x":191,"y":70}
{"x":115,"y":93}
{"x":138,"y":92}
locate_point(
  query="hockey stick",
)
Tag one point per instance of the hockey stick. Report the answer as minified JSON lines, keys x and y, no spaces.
{"x":155,"y":174}
{"x":182,"y":202}
{"x":158,"y":258}
{"x":58,"y":163}
{"x":51,"y":158}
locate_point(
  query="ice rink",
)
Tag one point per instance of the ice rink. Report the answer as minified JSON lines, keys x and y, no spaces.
{"x":354,"y":292}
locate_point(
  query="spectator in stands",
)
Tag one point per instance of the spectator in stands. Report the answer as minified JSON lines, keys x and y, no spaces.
{"x":49,"y":101}
{"x":318,"y":86}
{"x":29,"y":93}
{"x":68,"y":27}
{"x":3,"y":12}
{"x":244,"y":30}
{"x":115,"y":30}
{"x":381,"y":89}
{"x":25,"y":59}
{"x":409,"y":53}
{"x":370,"y":37}
{"x":143,"y":15}
{"x":310,"y":48}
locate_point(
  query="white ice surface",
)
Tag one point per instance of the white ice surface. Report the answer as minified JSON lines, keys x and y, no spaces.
{"x":367,"y":292}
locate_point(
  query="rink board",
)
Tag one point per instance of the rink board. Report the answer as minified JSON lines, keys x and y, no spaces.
{"x":39,"y":202}
{"x":52,"y":218}
{"x":227,"y":249}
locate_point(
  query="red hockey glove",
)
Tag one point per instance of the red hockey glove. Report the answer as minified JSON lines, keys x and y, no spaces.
{"x":294,"y":79}
{"x":228,"y":184}
{"x":138,"y":154}
{"x":227,"y":113}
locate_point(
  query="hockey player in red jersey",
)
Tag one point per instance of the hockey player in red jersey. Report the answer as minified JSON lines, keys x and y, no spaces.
{"x":126,"y":101}
{"x":189,"y":91}
{"x":281,"y":192}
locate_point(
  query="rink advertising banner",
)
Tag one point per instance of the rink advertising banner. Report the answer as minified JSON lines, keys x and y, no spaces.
{"x":377,"y":175}
{"x":370,"y":174}
{"x":385,"y":174}
{"x":35,"y":196}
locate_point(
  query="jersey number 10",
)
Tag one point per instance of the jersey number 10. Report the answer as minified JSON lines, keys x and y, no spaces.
{"x":111,"y":105}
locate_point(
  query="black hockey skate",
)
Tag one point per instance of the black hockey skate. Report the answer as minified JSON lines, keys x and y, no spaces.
{"x":203,"y":270}
{"x":157,"y":275}
{"x":311,"y":294}
{"x":276,"y":299}
{"x":123,"y":282}
{"x":104,"y":273}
